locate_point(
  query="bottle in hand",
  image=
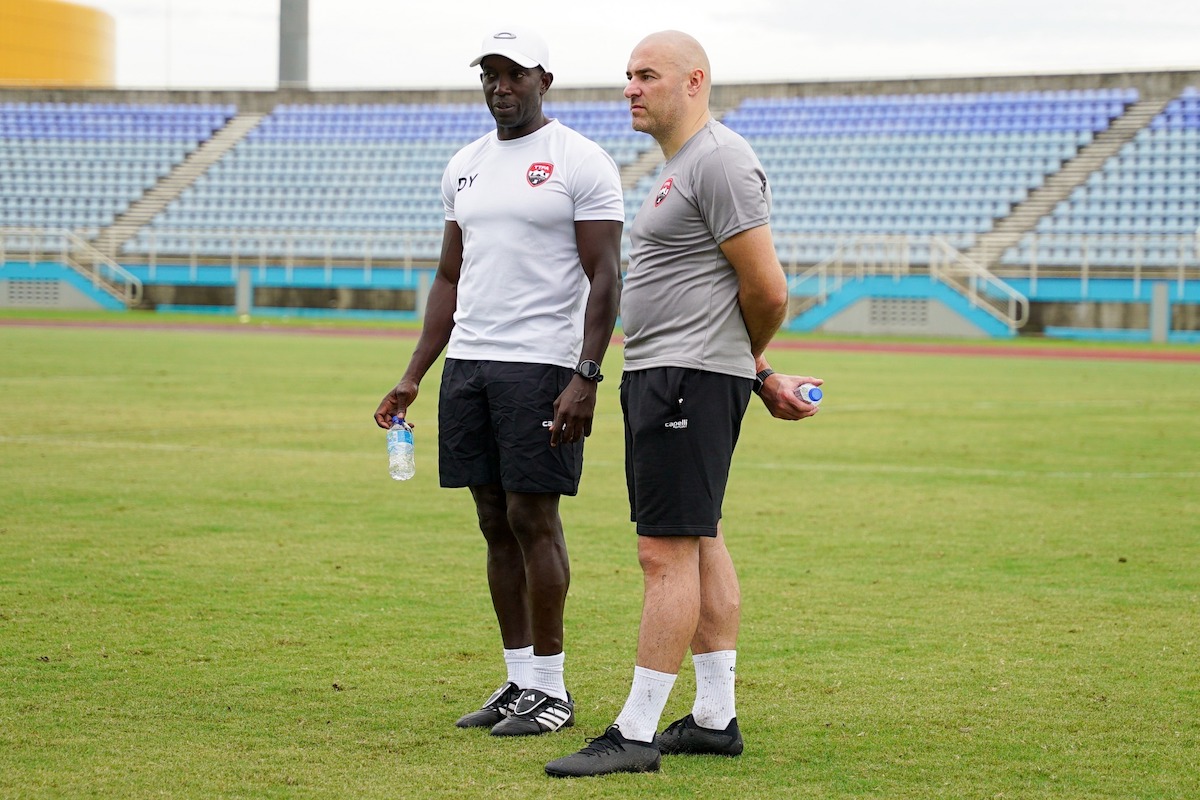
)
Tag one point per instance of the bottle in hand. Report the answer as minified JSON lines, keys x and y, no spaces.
{"x":810,"y":393}
{"x":401,"y":462}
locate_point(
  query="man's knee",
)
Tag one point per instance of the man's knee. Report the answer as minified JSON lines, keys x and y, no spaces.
{"x":664,"y":555}
{"x":534,"y":517}
{"x":492,"y":512}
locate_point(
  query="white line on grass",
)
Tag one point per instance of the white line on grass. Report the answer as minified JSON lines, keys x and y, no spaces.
{"x":976,"y":472}
{"x":826,"y":466}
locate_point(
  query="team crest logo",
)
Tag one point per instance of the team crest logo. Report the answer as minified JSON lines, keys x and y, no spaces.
{"x":663,"y":191}
{"x":539,"y":173}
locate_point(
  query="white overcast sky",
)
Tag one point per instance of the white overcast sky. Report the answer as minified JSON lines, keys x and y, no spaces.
{"x":398,"y":44}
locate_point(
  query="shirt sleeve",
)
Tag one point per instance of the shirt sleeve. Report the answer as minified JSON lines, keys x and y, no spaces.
{"x":449,"y":189}
{"x":731,"y":191}
{"x":597,"y":187}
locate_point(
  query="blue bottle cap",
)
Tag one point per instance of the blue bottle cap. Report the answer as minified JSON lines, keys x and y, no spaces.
{"x":815,"y":394}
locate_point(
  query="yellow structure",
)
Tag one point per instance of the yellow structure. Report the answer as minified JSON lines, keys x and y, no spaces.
{"x":49,"y":43}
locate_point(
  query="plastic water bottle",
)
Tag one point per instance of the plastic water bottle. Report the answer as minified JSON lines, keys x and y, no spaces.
{"x":401,"y":463}
{"x":810,"y":393}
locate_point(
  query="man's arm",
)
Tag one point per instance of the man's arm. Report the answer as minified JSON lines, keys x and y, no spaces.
{"x":435,"y":331}
{"x":763,"y":297}
{"x":599,"y":243}
{"x":762,"y":286}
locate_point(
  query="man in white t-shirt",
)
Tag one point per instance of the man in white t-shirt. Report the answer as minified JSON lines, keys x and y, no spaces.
{"x":524,"y":303}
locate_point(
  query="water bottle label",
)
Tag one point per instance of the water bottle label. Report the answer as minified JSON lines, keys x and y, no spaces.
{"x":400,"y":449}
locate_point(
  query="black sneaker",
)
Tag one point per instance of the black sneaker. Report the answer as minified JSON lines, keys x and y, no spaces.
{"x":536,"y":712}
{"x":685,"y":737}
{"x":497,"y":707}
{"x":608,"y":753}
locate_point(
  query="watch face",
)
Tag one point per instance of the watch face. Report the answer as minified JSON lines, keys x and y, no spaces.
{"x":589,"y":369}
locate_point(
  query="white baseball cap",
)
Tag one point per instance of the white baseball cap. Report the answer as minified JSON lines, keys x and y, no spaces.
{"x":520,"y":45}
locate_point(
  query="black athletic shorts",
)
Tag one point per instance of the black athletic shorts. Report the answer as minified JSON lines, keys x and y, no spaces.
{"x":681,"y":426}
{"x":494,"y":427}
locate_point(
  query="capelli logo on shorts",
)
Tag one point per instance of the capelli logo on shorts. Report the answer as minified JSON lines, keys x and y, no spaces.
{"x":547,"y":423}
{"x":677,"y":424}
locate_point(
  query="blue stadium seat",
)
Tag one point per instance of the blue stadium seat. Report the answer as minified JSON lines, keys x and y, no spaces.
{"x":92,"y":160}
{"x":1150,"y":188}
{"x":929,"y":155}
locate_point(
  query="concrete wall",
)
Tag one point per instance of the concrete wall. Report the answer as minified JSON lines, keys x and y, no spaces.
{"x":51,"y":294}
{"x":901,"y":317}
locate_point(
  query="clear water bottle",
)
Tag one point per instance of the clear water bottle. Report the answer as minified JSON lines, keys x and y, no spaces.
{"x":401,"y":462}
{"x":810,"y":393}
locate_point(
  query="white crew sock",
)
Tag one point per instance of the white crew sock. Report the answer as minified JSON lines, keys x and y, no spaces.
{"x":715,"y":674}
{"x":647,"y":699}
{"x":548,"y":675}
{"x":519,"y":666}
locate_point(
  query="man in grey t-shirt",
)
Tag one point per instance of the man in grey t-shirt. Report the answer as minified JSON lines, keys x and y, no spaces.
{"x":703,"y":296}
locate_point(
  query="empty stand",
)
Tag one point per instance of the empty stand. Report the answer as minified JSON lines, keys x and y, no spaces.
{"x":1141,"y":209}
{"x":76,"y":166}
{"x":921,"y":165}
{"x":361,"y":181}
{"x":346,"y":181}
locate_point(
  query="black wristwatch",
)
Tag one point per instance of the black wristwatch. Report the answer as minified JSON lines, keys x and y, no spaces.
{"x":761,"y":378}
{"x":589,"y":370}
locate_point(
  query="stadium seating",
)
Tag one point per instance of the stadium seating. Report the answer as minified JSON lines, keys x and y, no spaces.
{"x":76,"y":166}
{"x":920,"y":165}
{"x":354,"y":181}
{"x":1141,"y":209}
{"x":368,"y":178}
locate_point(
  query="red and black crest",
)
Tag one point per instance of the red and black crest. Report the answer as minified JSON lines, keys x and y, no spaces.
{"x":663,"y":191}
{"x":539,"y":173}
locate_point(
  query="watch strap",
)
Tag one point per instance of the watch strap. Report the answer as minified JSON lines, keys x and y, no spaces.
{"x":592,"y":373}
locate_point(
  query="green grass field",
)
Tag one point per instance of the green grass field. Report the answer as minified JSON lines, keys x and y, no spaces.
{"x":968,"y":577}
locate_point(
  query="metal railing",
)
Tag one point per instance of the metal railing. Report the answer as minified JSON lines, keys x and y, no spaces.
{"x":861,"y":257}
{"x":852,"y":259}
{"x":1099,"y":257}
{"x":78,"y":254}
{"x":817,"y":265}
{"x":949,"y":266}
{"x":287,"y":248}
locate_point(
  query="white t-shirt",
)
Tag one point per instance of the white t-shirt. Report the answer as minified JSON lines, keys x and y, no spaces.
{"x":522,"y":289}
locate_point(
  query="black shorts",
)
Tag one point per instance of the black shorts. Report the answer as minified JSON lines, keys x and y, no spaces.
{"x":681,"y":426}
{"x":494,"y":428}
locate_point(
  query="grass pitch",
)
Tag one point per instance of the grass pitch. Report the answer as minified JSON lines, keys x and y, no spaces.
{"x":967,"y":577}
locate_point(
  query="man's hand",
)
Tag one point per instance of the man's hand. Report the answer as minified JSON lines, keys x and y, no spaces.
{"x":573,"y":412}
{"x":396,"y":402}
{"x":779,"y":396}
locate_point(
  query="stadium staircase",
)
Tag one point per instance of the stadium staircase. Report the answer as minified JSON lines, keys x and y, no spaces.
{"x":646,"y":163}
{"x":109,"y":240}
{"x":101,"y":271}
{"x":1008,"y":231}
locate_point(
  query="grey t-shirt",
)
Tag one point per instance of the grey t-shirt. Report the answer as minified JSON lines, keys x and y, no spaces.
{"x":679,"y":305}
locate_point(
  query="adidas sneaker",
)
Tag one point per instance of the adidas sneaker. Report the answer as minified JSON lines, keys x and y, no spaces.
{"x":536,"y":712}
{"x":497,"y":708}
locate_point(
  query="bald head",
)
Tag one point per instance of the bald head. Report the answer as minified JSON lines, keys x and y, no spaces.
{"x":669,"y":86}
{"x":680,"y":50}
